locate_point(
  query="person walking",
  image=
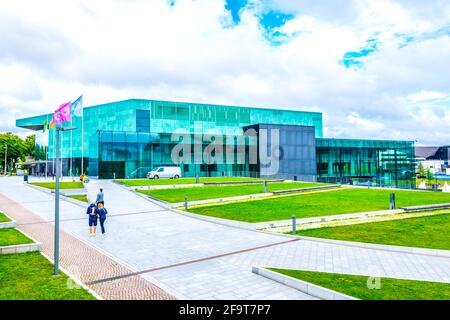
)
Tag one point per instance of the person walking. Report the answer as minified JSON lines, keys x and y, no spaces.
{"x":92,"y":211}
{"x":102,"y":212}
{"x":100,"y":197}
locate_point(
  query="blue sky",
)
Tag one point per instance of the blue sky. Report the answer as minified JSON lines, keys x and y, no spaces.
{"x":376,"y":69}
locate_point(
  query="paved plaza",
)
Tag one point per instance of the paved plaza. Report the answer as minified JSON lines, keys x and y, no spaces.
{"x":156,"y":253}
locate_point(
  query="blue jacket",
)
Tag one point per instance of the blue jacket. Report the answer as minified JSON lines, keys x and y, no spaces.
{"x":102,"y":212}
{"x":92,"y":211}
{"x":99,"y":197}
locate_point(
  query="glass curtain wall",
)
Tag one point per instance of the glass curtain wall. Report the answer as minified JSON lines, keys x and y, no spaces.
{"x":374,"y":162}
{"x":134,"y":154}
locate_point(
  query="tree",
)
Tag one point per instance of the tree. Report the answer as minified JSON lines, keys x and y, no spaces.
{"x":15,"y":151}
{"x":29,"y":144}
{"x":422,"y":172}
{"x":429,"y":175}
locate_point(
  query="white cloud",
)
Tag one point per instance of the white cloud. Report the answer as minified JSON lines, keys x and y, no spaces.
{"x":111,"y":50}
{"x":427,"y":96}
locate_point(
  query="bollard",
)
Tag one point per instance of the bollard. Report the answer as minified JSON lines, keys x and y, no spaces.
{"x":392,"y":201}
{"x":265,"y":186}
{"x":294,"y":224}
{"x":185,"y":202}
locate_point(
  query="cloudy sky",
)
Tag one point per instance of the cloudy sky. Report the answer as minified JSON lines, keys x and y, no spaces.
{"x":375,"y":68}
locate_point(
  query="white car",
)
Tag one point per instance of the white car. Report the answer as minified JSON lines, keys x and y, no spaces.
{"x":164,"y":172}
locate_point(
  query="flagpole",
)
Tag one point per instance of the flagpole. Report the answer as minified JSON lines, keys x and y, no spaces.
{"x":54,"y":153}
{"x":61,"y":156}
{"x":82,"y":141}
{"x":82,"y":137}
{"x":46,"y":150}
{"x":45,"y":146}
{"x":71,"y":154}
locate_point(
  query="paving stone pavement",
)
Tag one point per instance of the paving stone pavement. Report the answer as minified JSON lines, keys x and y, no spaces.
{"x":141,"y":236}
{"x":82,"y":260}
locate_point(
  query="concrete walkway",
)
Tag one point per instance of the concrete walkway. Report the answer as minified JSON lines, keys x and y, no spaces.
{"x":197,"y":259}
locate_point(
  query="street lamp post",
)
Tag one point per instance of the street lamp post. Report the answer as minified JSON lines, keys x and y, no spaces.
{"x":6,"y":156}
{"x":58,"y":173}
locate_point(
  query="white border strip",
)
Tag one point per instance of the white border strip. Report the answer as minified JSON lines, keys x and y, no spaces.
{"x":300,"y":285}
{"x":8,"y":225}
{"x":20,"y":248}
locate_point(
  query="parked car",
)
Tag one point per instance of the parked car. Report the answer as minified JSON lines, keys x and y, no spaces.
{"x":164,"y":172}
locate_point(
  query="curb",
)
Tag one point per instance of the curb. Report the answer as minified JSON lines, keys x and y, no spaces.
{"x":8,"y":225}
{"x":61,"y":195}
{"x":74,"y":201}
{"x":301,"y":190}
{"x":20,"y":248}
{"x":242,"y":182}
{"x":430,"y":207}
{"x":39,"y":188}
{"x":168,"y":186}
{"x":61,"y":191}
{"x":338,"y":217}
{"x":220,"y":200}
{"x":300,"y":285}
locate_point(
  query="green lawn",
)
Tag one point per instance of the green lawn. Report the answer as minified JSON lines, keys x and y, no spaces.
{"x":357,"y":286}
{"x":213,"y":192}
{"x":80,"y":198}
{"x":62,"y":185}
{"x":28,"y":276}
{"x":424,"y":232}
{"x":3,"y":218}
{"x":347,"y":200}
{"x":11,"y":236}
{"x":159,"y":182}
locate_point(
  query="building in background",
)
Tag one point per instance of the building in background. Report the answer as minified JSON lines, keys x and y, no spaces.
{"x":127,"y":138}
{"x":436,"y":158}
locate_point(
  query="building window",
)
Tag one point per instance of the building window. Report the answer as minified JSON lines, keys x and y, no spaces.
{"x":322,"y":168}
{"x":142,"y":120}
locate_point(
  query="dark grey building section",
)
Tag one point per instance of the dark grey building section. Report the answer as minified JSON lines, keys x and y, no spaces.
{"x":297,"y":147}
{"x":432,"y":153}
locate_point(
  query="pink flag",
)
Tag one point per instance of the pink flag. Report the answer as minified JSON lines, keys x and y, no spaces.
{"x":62,"y":114}
{"x":64,"y":110}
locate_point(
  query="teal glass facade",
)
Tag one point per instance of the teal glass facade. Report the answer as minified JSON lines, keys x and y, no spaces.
{"x":382,"y":162}
{"x":129,"y":120}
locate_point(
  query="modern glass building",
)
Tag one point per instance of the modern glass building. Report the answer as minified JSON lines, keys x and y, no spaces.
{"x":379,"y":162}
{"x":125,"y":139}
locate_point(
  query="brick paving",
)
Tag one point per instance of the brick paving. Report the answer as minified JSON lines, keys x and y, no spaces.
{"x":87,"y":263}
